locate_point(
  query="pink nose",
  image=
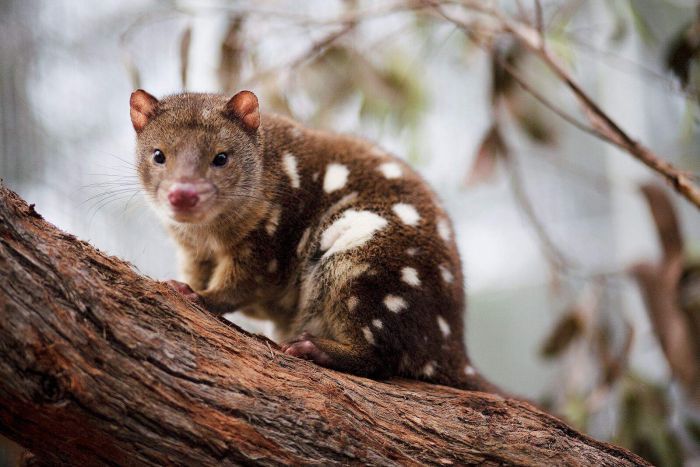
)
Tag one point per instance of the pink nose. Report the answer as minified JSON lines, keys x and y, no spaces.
{"x":183,"y":198}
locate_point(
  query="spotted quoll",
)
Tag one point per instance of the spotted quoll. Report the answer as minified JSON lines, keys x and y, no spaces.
{"x":344,"y":247}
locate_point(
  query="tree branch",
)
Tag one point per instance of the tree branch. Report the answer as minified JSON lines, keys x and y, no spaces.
{"x":101,"y":365}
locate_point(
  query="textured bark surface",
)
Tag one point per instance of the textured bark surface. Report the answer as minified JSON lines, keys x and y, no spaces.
{"x":99,"y":364}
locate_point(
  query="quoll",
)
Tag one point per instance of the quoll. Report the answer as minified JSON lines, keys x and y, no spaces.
{"x":343,"y":246}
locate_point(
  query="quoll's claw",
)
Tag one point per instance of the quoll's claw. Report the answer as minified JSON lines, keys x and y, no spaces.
{"x":306,"y":349}
{"x":185,"y":290}
{"x":180,"y":287}
{"x":304,"y":336}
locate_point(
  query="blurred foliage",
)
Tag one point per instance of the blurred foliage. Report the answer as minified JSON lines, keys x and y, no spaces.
{"x":390,"y":92}
{"x":644,"y":422}
{"x":506,"y":56}
{"x":568,"y":328}
{"x":491,"y":149}
{"x":576,"y":410}
{"x":683,"y":53}
{"x":626,"y":13}
{"x":612,"y":362}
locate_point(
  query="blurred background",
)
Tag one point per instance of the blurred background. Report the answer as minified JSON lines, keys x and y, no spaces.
{"x":570,"y":287}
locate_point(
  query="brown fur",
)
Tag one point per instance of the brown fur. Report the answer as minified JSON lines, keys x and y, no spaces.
{"x":258,"y":246}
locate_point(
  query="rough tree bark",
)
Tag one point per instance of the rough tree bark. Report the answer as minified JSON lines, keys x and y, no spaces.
{"x":99,"y":364}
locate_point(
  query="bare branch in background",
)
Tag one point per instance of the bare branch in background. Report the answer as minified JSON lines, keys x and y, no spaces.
{"x":314,"y":50}
{"x":602,"y":125}
{"x":185,"y":41}
{"x":539,"y":20}
{"x":232,"y":49}
{"x":555,"y":257}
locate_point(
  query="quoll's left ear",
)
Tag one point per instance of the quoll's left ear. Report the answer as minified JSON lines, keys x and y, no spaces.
{"x":244,"y":106}
{"x":143,"y":107}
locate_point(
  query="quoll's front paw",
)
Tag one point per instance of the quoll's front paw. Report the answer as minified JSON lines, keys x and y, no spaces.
{"x":304,"y":347}
{"x":185,"y":290}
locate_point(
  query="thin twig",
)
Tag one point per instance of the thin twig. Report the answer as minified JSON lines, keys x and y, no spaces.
{"x":557,"y":260}
{"x":603,"y":125}
{"x":314,"y":50}
{"x":539,"y":21}
{"x":546,"y":102}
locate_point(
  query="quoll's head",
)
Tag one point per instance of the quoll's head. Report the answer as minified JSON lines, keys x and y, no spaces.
{"x":199,"y":156}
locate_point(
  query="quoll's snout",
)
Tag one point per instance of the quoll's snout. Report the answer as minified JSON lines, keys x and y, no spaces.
{"x":188,"y":197}
{"x":183,"y":196}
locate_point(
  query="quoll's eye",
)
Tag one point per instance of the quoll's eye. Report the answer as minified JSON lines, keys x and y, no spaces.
{"x":220,"y":159}
{"x":158,"y":157}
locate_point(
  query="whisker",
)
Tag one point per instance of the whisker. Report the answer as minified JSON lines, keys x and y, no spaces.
{"x":108,"y":193}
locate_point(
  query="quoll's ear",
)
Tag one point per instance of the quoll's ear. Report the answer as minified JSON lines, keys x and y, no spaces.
{"x":143,"y":107}
{"x":244,"y":106}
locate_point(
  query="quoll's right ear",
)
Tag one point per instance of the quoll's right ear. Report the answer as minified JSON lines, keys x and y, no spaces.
{"x":244,"y":106}
{"x":143,"y":107}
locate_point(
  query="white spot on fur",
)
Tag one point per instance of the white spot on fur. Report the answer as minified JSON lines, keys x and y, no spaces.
{"x":303,"y":241}
{"x":407,"y":213}
{"x":410,"y":276}
{"x":443,"y":228}
{"x":444,"y":327}
{"x":411,"y":251}
{"x":290,"y":168}
{"x":377,"y":323}
{"x":395,"y":303}
{"x":272,"y":266}
{"x":352,"y":303}
{"x":429,"y":368}
{"x":446,"y":274}
{"x":368,"y":334}
{"x":352,"y":229}
{"x":295,"y":132}
{"x":206,"y":113}
{"x":273,"y":221}
{"x":390,"y":170}
{"x":314,"y":177}
{"x":336,"y":177}
{"x":469,"y":370}
{"x":224,"y":133}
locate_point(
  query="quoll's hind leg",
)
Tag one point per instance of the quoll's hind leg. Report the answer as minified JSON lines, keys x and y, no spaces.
{"x":357,"y":358}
